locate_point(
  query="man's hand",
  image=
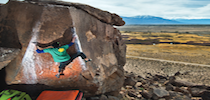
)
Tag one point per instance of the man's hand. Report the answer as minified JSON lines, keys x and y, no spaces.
{"x":73,"y":40}
{"x":35,"y":43}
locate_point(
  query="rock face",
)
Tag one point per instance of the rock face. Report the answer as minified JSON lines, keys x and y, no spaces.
{"x":6,"y":55}
{"x":22,"y":23}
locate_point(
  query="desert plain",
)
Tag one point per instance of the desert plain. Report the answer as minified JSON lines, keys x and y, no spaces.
{"x":183,"y":50}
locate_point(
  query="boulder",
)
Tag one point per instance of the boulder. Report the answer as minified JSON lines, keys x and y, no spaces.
{"x":24,"y":22}
{"x":6,"y":55}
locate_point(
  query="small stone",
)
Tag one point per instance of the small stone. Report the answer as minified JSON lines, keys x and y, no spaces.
{"x":196,"y":91}
{"x":172,"y":78}
{"x":170,"y":87}
{"x":112,"y":98}
{"x":186,"y":92}
{"x":160,"y":92}
{"x":206,"y":95}
{"x":94,"y":98}
{"x":129,"y":87}
{"x":139,"y":95}
{"x":147,"y":94}
{"x":182,"y":83}
{"x":138,"y":84}
{"x":103,"y":97}
{"x":177,"y":73}
{"x":131,"y":94}
{"x":129,"y":81}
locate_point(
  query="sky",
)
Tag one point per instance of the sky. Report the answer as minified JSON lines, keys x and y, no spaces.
{"x":170,"y":9}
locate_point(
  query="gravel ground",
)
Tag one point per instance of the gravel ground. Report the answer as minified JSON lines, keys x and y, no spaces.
{"x":191,"y":73}
{"x":200,"y":59}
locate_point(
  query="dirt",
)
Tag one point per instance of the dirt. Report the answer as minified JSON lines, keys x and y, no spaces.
{"x":192,"y":73}
{"x":173,"y":52}
{"x":196,"y":58}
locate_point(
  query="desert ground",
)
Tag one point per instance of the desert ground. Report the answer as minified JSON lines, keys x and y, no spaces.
{"x":180,"y":43}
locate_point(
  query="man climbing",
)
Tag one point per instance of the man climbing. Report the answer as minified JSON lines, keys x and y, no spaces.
{"x":60,"y":55}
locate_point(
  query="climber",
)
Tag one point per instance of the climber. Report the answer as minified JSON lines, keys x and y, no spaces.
{"x":60,"y":55}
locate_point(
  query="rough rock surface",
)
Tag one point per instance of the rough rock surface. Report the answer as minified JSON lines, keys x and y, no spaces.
{"x":186,"y":72}
{"x":162,"y":87}
{"x":6,"y":55}
{"x":22,"y":23}
{"x":157,"y":87}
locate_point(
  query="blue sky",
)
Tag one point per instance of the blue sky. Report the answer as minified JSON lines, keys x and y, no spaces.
{"x":171,"y":9}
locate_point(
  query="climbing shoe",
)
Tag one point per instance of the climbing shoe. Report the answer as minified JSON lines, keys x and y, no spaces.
{"x":57,"y":75}
{"x":88,"y":60}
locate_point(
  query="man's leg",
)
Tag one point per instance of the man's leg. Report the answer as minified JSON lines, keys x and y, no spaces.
{"x":80,"y":54}
{"x":61,"y":68}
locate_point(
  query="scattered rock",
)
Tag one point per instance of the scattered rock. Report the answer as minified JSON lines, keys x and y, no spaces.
{"x":182,"y":90}
{"x":103,"y":97}
{"x":138,"y":84}
{"x":112,"y":98}
{"x":196,"y":91}
{"x":170,"y":87}
{"x":147,"y":94}
{"x":161,"y":87}
{"x":206,"y":95}
{"x":160,"y":92}
{"x":129,"y":81}
{"x":182,"y":83}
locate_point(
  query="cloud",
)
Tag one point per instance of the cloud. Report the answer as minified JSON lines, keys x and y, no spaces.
{"x":3,"y":1}
{"x":162,"y":8}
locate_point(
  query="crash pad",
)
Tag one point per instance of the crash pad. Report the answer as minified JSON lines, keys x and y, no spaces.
{"x":60,"y":95}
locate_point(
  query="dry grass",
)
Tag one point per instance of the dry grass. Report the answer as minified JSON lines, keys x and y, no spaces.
{"x":195,"y":53}
{"x":167,"y":37}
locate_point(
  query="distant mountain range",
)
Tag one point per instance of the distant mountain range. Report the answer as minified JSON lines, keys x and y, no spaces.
{"x":147,"y":20}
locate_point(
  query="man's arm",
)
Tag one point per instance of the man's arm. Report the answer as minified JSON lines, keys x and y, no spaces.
{"x":72,"y":42}
{"x":38,"y":50}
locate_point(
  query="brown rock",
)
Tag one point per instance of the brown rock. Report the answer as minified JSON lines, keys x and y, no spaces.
{"x":182,"y":83}
{"x":160,"y":92}
{"x":184,"y":91}
{"x":196,"y":91}
{"x":206,"y":95}
{"x":138,"y":84}
{"x":132,"y":94}
{"x":27,"y":22}
{"x":7,"y":55}
{"x":147,"y":94}
{"x":170,"y":87}
{"x":129,"y":81}
{"x":112,"y":98}
{"x":182,"y":98}
{"x":174,"y":94}
{"x":103,"y":97}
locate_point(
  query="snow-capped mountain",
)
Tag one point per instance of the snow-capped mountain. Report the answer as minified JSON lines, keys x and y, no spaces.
{"x":147,"y":20}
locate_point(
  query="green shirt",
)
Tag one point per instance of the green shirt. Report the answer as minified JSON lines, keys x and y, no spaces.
{"x":59,"y":54}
